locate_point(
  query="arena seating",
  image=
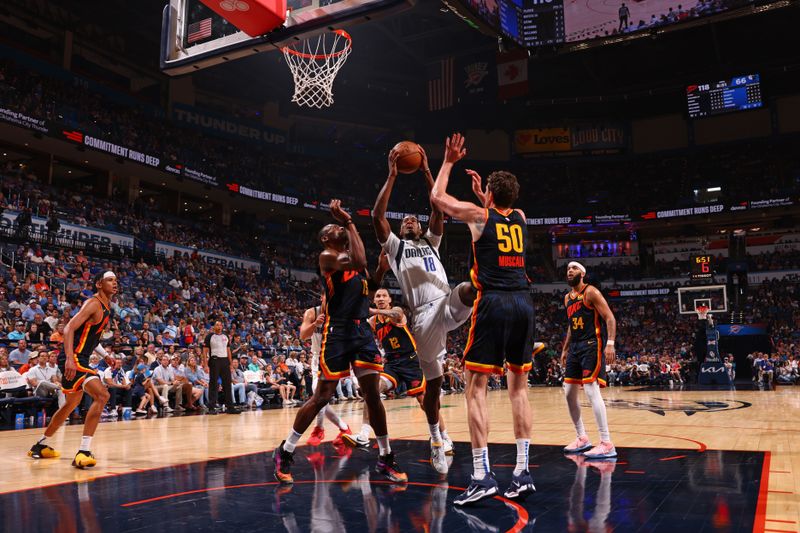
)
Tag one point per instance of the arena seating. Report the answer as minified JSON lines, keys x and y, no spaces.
{"x":113,"y":116}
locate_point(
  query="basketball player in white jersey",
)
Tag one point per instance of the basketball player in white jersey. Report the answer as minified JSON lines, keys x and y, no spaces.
{"x":435,"y":308}
{"x":311,"y":328}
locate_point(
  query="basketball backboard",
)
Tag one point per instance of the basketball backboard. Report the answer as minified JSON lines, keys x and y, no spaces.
{"x":714,"y":297}
{"x":194,"y":37}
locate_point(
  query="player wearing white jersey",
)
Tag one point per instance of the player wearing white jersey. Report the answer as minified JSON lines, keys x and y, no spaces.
{"x":311,"y":328}
{"x":435,"y":307}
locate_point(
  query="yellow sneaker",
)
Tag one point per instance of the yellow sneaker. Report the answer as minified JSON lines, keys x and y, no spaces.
{"x":42,"y":451}
{"x":84,"y":460}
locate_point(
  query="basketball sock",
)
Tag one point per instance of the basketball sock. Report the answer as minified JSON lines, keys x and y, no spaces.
{"x":334,"y":418}
{"x":321,"y":416}
{"x":291,"y":441}
{"x":383,"y":445}
{"x":445,"y":436}
{"x":436,"y":436}
{"x":522,"y":456}
{"x":480,"y":462}
{"x":365,"y":432}
{"x":86,"y":443}
{"x":43,"y":440}
{"x":575,"y":408}
{"x":599,"y":408}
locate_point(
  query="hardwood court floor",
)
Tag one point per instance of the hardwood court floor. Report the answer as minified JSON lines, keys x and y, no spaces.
{"x":694,"y":421}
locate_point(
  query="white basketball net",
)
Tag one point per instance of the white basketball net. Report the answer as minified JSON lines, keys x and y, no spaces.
{"x":702,"y":312}
{"x":314,"y":65}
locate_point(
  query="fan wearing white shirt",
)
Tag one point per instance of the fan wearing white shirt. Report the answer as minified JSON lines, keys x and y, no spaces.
{"x":436,"y":309}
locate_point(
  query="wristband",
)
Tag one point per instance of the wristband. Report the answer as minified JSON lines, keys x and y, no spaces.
{"x":350,"y":221}
{"x":610,"y":343}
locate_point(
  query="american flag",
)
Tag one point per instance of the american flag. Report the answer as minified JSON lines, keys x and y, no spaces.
{"x":199,"y":30}
{"x":441,"y":92}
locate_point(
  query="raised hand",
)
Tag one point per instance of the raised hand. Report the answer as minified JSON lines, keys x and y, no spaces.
{"x":338,"y":213}
{"x":454,"y":150}
{"x":477,"y":186}
{"x":424,"y":167}
{"x":393,"y":155}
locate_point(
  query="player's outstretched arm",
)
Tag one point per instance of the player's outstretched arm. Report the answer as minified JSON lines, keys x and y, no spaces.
{"x":465,"y":211}
{"x":436,"y":222}
{"x":379,"y":222}
{"x":310,"y":322}
{"x":477,"y":186}
{"x":380,"y":270}
{"x":395,"y":314}
{"x":353,"y":259}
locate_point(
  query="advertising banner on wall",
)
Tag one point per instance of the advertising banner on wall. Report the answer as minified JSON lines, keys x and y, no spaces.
{"x":542,"y":140}
{"x":584,"y":139}
{"x":226,"y":126}
{"x":72,"y":231}
{"x":168,"y":249}
{"x":598,"y":137}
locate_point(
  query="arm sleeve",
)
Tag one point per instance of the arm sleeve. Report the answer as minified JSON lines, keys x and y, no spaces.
{"x":391,"y":246}
{"x":434,"y":239}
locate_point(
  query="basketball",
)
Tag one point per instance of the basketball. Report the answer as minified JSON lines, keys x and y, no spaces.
{"x":409,"y":158}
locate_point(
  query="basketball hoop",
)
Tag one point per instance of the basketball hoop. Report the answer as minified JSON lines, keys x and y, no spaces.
{"x":702,"y":312}
{"x":314,"y":65}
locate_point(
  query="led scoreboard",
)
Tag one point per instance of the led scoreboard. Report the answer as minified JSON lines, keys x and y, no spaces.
{"x":701,"y":267}
{"x":532,"y":23}
{"x":742,"y":92}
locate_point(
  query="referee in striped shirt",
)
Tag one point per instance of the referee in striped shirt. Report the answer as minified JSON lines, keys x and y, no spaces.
{"x":218,"y":354}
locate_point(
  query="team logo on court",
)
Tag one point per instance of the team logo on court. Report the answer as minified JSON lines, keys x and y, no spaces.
{"x":234,"y":5}
{"x":476,"y":72}
{"x":660,"y":406}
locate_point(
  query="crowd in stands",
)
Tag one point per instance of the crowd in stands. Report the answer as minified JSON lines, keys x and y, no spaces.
{"x":163,"y":313}
{"x":316,"y":178}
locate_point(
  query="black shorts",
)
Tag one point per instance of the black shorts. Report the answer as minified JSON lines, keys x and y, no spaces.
{"x":586,"y":363}
{"x":81,"y":375}
{"x":501,"y":331}
{"x":405,"y":369}
{"x":346,"y":343}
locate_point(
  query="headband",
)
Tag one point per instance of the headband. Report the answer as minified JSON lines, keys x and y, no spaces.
{"x":109,"y":274}
{"x":578,"y":266}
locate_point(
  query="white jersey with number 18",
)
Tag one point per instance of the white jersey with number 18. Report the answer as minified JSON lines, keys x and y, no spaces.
{"x":417,"y":267}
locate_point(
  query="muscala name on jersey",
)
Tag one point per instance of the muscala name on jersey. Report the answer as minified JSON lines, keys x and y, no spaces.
{"x":424,"y":251}
{"x":511,"y":261}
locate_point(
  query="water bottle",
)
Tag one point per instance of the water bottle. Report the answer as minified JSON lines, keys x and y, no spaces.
{"x":19,"y":422}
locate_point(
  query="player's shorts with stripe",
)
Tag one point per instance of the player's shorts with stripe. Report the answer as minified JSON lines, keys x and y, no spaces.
{"x":82,"y":375}
{"x":501,"y":331}
{"x":346,"y":343}
{"x":405,"y":370}
{"x":586,"y":363}
{"x":432,"y":321}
